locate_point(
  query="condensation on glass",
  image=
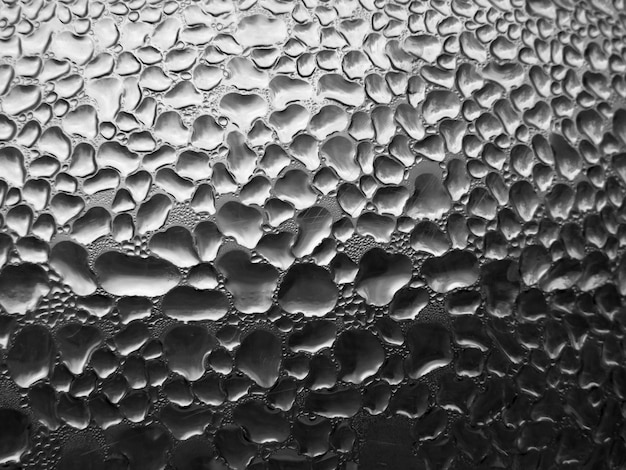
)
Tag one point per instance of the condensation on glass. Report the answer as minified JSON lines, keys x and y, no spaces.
{"x":314,"y":234}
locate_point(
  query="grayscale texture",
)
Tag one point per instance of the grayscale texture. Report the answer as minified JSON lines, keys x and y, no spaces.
{"x":312,"y":234}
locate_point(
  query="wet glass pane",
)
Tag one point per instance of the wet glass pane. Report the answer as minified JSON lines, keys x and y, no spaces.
{"x":312,"y":234}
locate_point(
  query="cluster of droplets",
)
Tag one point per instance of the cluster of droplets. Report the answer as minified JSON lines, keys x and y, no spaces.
{"x":345,"y":234}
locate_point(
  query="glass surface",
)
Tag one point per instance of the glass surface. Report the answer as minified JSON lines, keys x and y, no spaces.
{"x":314,"y":234}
